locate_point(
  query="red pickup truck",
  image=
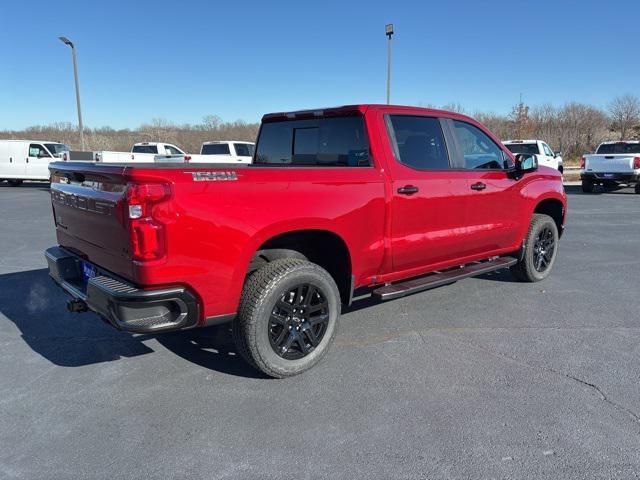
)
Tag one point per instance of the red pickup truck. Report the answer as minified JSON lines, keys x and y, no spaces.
{"x":393,"y":199}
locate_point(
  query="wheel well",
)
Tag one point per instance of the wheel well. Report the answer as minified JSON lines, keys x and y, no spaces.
{"x":318,"y":246}
{"x":554,"y":209}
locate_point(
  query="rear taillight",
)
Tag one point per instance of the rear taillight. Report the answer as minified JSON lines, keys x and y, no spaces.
{"x":636,"y":163}
{"x":583,"y":162}
{"x":65,"y":157}
{"x":144,"y":202}
{"x":187,"y":158}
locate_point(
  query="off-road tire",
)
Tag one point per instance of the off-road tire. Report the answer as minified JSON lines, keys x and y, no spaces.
{"x":525,"y":270}
{"x":261,"y":292}
{"x":587,"y":186}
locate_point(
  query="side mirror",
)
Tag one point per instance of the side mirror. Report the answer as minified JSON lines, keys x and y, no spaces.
{"x":557,"y":154}
{"x":526,"y":162}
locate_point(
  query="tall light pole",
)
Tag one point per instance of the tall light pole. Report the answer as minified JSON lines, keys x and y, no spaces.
{"x":388,"y":30}
{"x":66,"y":41}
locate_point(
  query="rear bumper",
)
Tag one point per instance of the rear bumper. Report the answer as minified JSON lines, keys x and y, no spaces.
{"x":610,"y":177}
{"x":123,"y":305}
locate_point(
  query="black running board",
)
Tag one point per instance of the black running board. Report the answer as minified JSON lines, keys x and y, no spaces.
{"x":438,"y":279}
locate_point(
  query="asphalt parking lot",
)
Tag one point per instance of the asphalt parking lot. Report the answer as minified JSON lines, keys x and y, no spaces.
{"x":486,"y":378}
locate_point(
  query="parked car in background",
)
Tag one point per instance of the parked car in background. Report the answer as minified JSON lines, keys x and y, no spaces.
{"x":231,"y":151}
{"x":143,"y":152}
{"x":395,"y":199}
{"x":614,"y":164}
{"x":29,"y":159}
{"x":546,"y":156}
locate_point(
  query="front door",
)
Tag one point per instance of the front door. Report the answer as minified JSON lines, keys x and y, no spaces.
{"x":493,"y":217}
{"x":428,"y":197}
{"x":38,"y":162}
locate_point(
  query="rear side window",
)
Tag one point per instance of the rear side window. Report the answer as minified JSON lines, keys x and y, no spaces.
{"x":528,"y":148}
{"x":243,"y":149}
{"x":480,"y":152}
{"x":621,"y":147}
{"x":328,"y":142}
{"x":215,"y":149}
{"x":418,"y":142}
{"x":145,"y":149}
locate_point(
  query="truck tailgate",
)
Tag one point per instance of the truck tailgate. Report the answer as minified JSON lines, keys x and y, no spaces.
{"x":614,"y":163}
{"x":88,"y":208}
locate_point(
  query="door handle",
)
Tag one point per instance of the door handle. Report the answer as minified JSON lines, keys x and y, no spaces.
{"x":478,"y":186}
{"x":408,"y":190}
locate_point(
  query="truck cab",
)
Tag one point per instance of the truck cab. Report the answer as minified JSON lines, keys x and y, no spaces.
{"x":227,"y":151}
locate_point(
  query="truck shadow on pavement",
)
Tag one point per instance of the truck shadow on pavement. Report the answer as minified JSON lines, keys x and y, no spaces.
{"x":36,"y":306}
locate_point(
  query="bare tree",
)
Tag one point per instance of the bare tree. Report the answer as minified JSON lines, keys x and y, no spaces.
{"x":522,"y":124}
{"x":625,"y":113}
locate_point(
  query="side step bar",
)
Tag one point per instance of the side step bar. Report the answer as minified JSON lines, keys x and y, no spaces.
{"x":433,"y":280}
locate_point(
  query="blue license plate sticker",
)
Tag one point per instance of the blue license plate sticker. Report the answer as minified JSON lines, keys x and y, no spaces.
{"x":88,"y":271}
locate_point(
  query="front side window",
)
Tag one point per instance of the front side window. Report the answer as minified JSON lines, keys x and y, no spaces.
{"x":479,"y":151}
{"x":327,"y":142}
{"x":145,"y":149}
{"x":547,"y":150}
{"x":418,"y":142}
{"x":36,"y":150}
{"x":172,"y":150}
{"x":243,"y":149}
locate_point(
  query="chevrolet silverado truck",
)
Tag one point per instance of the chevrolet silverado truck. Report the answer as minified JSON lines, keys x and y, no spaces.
{"x":613,"y":164}
{"x":382,"y":199}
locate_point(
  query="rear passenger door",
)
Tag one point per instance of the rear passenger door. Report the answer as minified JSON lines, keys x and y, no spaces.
{"x":428,"y":197}
{"x":493,"y":217}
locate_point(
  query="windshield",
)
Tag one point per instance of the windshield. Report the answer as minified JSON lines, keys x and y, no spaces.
{"x":56,"y":148}
{"x":621,"y":147}
{"x":528,"y":148}
{"x":243,"y":149}
{"x":145,"y":149}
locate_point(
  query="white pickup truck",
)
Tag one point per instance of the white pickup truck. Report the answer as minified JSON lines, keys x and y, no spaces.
{"x":144,"y":152}
{"x":613,"y":164}
{"x":546,"y":156}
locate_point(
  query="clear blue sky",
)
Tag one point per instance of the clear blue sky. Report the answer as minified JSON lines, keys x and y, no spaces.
{"x":238,"y":59}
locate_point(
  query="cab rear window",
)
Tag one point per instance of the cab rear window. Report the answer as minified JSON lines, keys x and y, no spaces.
{"x":528,"y":148}
{"x":324,"y":142}
{"x":617,"y":148}
{"x":145,"y":149}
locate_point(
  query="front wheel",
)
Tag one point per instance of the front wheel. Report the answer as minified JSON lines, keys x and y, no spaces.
{"x":14,"y":182}
{"x":287,"y":318}
{"x":540,"y":249}
{"x":637,"y":189}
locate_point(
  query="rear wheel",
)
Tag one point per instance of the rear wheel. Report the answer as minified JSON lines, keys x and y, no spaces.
{"x":637,"y":189}
{"x":540,"y":249}
{"x":288,"y":317}
{"x":14,"y":182}
{"x":587,"y":186}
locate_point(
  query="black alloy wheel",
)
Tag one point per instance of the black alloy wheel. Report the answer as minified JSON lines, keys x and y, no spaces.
{"x":543,"y":249}
{"x":298,"y":321}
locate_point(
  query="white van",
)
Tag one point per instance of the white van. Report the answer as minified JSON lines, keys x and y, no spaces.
{"x":29,"y":159}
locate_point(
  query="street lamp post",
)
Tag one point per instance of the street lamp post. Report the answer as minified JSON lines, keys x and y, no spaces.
{"x":66,"y":41}
{"x":388,"y":29}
